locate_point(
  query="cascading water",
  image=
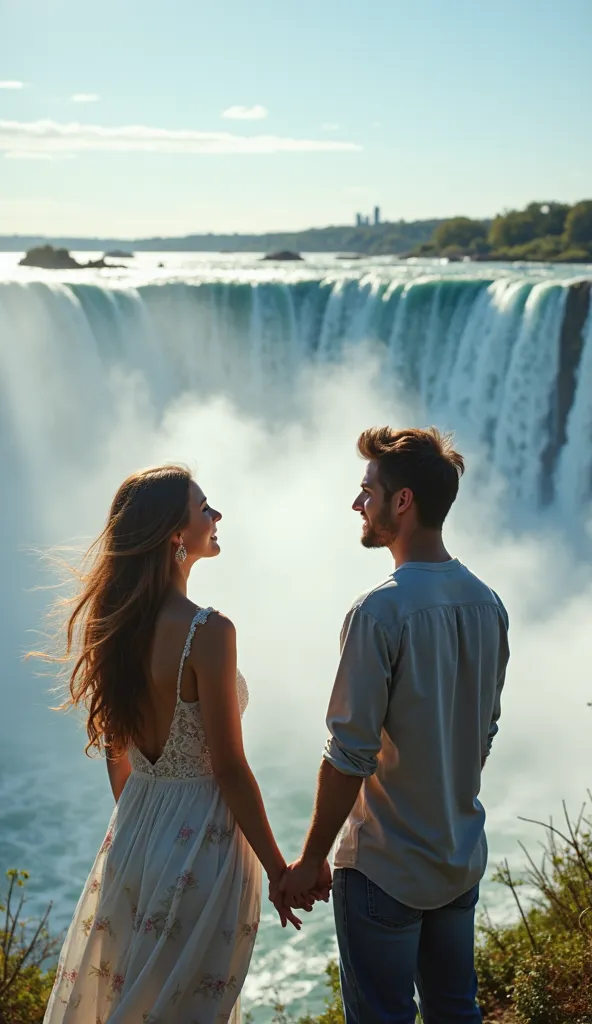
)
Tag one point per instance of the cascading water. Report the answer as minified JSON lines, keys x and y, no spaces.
{"x":477,"y":356}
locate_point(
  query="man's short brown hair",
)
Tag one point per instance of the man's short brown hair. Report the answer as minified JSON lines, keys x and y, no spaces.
{"x":422,"y":460}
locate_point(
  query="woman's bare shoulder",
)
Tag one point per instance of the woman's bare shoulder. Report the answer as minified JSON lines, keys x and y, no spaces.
{"x":217,"y":638}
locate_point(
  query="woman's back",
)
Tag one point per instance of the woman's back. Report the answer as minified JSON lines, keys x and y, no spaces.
{"x":157,"y":707}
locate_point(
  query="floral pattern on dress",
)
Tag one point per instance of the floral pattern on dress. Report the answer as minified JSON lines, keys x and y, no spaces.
{"x":117,"y":982}
{"x":184,"y":834}
{"x":215,"y":985}
{"x":215,"y":834}
{"x":103,"y":970}
{"x":107,"y":842}
{"x":103,"y":924}
{"x":68,"y":976}
{"x":186,"y":881}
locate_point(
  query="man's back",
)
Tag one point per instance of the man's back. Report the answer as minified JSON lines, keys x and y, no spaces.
{"x":414,"y":710}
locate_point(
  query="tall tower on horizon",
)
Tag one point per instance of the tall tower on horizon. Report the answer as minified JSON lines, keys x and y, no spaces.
{"x":377,"y":215}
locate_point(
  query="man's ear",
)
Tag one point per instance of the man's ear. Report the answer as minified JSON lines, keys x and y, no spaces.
{"x":403,"y":500}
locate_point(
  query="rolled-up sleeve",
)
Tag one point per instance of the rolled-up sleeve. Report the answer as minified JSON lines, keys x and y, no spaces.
{"x":361,"y":694}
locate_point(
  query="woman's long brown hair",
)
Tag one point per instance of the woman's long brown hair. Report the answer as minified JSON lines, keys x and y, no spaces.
{"x":110,"y":628}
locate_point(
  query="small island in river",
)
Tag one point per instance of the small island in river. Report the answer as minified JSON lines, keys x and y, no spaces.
{"x":48,"y":258}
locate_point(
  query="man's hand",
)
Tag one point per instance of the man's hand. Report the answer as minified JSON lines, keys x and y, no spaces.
{"x":305,"y":881}
{"x":283,"y":906}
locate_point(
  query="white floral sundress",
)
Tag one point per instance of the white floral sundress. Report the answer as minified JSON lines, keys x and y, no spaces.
{"x":165,"y":927}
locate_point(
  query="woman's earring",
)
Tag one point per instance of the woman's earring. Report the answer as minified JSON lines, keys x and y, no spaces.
{"x":181,"y":552}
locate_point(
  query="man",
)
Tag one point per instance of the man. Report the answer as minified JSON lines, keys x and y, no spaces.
{"x":412,"y":717}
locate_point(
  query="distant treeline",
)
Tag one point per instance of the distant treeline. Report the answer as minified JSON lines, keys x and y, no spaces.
{"x":381,"y":239}
{"x":548,"y":232}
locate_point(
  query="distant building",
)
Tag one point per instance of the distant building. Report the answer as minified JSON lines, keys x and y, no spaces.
{"x":363,"y":220}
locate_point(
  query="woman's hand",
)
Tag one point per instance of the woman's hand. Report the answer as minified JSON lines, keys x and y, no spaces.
{"x":305,"y":881}
{"x":283,"y":908}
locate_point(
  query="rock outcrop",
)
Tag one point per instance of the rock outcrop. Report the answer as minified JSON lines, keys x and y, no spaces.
{"x":285,"y":254}
{"x":48,"y":258}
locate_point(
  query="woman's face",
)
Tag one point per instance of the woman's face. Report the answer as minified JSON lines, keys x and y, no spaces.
{"x":199,"y":536}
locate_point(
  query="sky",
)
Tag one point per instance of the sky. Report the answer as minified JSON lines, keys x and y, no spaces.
{"x":135,"y":118}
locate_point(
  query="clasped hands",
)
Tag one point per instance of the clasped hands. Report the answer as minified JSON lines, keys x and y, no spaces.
{"x":302,"y":884}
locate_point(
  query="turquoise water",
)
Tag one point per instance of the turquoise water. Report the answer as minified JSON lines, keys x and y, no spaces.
{"x":260,"y":377}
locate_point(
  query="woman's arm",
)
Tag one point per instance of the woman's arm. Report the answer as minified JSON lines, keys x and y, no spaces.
{"x":119,"y":770}
{"x":214,"y":661}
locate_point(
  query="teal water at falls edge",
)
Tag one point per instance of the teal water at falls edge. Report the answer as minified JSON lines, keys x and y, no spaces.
{"x":260,"y":377}
{"x":506,"y":363}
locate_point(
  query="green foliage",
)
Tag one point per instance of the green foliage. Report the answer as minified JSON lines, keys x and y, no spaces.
{"x":460,"y":232}
{"x":25,"y":984}
{"x":518,"y":227}
{"x":575,"y":256}
{"x":539,"y":970}
{"x":578,"y":225}
{"x":542,"y":232}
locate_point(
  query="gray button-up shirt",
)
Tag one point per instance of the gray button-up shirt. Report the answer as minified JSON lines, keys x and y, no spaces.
{"x":414,"y":711}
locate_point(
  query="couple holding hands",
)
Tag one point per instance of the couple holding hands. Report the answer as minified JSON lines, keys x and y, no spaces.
{"x":165,"y":927}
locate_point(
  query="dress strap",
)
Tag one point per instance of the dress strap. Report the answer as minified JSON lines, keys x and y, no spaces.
{"x":200,"y":617}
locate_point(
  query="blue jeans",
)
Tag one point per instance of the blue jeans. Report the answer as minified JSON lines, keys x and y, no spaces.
{"x":386,"y":949}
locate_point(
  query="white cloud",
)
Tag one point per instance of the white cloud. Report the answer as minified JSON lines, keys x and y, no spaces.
{"x":85,"y":97}
{"x":330,"y":126}
{"x":53,"y":137}
{"x":238,"y":113}
{"x":12,"y":85}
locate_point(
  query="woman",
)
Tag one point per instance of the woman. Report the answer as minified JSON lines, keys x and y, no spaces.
{"x":165,"y":927}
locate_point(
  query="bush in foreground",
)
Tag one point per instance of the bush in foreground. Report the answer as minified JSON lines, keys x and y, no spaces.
{"x":539,"y":970}
{"x":25,"y":949}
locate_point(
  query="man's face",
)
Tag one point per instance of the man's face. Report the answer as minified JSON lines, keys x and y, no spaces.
{"x":380,"y":528}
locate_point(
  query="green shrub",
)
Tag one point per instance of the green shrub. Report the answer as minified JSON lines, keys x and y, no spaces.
{"x":25,"y":947}
{"x":539,"y":970}
{"x":576,"y":256}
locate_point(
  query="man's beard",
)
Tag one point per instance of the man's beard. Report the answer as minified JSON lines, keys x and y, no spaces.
{"x":383,"y":533}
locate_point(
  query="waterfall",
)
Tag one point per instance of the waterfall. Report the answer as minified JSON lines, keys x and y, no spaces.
{"x":506,"y":363}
